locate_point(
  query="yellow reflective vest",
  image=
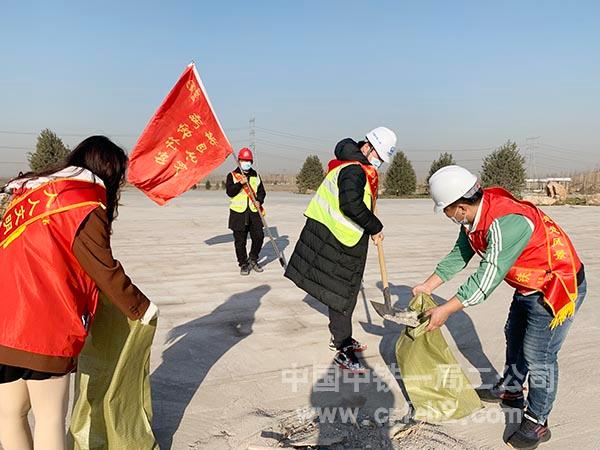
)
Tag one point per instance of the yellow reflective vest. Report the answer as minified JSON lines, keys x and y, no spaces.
{"x":325,"y":208}
{"x":240,"y":202}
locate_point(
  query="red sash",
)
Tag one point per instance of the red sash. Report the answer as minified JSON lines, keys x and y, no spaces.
{"x":370,"y":172}
{"x":249,"y":191}
{"x":548,"y":264}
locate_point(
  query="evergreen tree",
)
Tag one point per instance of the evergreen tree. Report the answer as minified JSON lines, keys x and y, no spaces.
{"x":445,"y":159}
{"x":505,"y":167}
{"x":400,"y":178}
{"x":311,"y":174}
{"x":49,"y":151}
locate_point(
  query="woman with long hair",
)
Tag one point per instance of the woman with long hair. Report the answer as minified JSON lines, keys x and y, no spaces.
{"x":55,"y":258}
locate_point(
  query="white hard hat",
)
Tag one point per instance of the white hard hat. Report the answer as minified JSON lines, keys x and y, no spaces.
{"x":449,"y":184}
{"x":384,"y":141}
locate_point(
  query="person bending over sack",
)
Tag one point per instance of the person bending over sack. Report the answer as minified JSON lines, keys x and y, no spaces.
{"x":55,"y":257}
{"x":520,"y":244}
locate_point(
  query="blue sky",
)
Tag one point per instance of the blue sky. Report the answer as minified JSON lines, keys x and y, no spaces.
{"x":457,"y":76}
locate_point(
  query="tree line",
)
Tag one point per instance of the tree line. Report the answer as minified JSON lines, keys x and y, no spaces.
{"x":504,"y":167}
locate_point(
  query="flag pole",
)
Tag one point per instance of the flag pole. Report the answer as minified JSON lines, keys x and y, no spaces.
{"x":278,"y":252}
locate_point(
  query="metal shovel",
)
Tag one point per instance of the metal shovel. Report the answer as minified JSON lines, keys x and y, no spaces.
{"x":385,"y":310}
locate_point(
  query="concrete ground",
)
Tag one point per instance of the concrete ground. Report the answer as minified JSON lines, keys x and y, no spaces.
{"x":228,"y":347}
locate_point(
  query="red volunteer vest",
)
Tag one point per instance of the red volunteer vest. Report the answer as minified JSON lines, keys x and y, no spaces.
{"x":45,"y":295}
{"x":548,"y":264}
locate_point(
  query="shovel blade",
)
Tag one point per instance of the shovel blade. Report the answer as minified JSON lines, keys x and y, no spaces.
{"x":408,"y":318}
{"x":382,"y":309}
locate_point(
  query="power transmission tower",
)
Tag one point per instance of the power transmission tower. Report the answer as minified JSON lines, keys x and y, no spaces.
{"x":531,"y":144}
{"x":252,"y":123}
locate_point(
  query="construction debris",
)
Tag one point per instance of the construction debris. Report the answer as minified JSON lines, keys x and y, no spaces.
{"x":556,"y":191}
{"x":593,"y":200}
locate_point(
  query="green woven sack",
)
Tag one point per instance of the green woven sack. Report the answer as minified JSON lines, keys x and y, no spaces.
{"x":435,"y":383}
{"x":112,"y":408}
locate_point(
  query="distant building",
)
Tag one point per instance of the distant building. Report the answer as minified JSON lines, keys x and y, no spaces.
{"x":539,"y":184}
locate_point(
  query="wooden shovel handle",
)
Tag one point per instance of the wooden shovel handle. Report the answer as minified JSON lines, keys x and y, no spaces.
{"x":382,"y":266}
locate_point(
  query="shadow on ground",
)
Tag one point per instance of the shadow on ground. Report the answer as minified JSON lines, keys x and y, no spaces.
{"x":342,"y":400}
{"x":194,"y":348}
{"x":267,"y":253}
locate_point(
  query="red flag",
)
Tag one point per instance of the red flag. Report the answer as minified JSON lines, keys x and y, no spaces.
{"x":182,"y":143}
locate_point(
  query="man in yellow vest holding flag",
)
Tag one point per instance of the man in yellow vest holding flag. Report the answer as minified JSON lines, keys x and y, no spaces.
{"x":329,"y":259}
{"x":244,"y":217}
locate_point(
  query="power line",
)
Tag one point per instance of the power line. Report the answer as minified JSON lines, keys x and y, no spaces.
{"x":531,"y":144}
{"x":304,"y":143}
{"x":565,"y":159}
{"x":294,"y":136}
{"x":431,"y":160}
{"x":330,"y":154}
{"x":18,"y":132}
{"x":563,"y":148}
{"x":238,"y":141}
{"x":554,"y":168}
{"x":457,"y":150}
{"x":36,"y":133}
{"x":329,"y":141}
{"x":291,"y":135}
{"x":14,"y":147}
{"x":285,"y":156}
{"x":235,"y":129}
{"x":33,"y":133}
{"x":252,"y":134}
{"x":291,"y":146}
{"x":554,"y":149}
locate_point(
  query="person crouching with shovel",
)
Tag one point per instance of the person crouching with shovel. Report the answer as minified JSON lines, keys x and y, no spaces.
{"x":329,"y":258}
{"x":522,"y":245}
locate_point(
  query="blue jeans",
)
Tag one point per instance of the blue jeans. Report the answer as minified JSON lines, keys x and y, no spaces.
{"x":532,"y":349}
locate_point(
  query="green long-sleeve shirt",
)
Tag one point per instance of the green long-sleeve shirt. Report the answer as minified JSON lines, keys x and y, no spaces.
{"x":507,"y":238}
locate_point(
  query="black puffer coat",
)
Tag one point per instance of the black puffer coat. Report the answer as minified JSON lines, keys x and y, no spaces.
{"x":321,"y":265}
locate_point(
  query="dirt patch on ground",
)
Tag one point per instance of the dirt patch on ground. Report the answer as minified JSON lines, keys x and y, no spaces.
{"x":307,"y":430}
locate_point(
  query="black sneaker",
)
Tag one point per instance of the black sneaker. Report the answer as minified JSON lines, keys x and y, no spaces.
{"x":530,"y":434}
{"x":347,"y":360}
{"x":356,"y":346}
{"x":245,"y":269}
{"x":255,"y":266}
{"x":500,"y":394}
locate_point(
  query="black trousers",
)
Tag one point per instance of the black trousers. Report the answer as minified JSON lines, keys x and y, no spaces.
{"x":340,"y":326}
{"x":257,"y":235}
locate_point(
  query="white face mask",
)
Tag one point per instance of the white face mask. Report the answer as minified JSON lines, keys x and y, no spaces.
{"x":375,"y":162}
{"x":463,"y":222}
{"x":246,"y":165}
